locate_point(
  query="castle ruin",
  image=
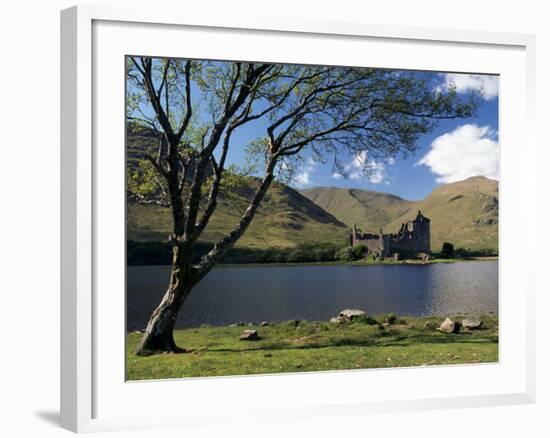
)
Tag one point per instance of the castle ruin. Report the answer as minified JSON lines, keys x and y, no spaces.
{"x":412,"y":238}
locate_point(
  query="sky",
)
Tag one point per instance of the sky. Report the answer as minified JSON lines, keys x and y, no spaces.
{"x":455,"y":150}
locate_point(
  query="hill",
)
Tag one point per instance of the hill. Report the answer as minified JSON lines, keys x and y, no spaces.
{"x":371,"y":210}
{"x":284,"y":219}
{"x":464,"y":213}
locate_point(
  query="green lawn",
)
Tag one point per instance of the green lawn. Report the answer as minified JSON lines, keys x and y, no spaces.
{"x":314,"y":346}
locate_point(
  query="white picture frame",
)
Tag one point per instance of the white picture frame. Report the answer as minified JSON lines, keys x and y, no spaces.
{"x":91,"y":389}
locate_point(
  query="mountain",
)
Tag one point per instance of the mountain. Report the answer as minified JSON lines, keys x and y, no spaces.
{"x":370,"y":210}
{"x":464,"y":213}
{"x":284,"y":219}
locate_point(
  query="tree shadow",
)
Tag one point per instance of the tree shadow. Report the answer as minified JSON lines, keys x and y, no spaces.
{"x":383,"y":340}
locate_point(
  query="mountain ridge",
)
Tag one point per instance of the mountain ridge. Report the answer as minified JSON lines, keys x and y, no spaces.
{"x":284,"y":219}
{"x":464,"y":212}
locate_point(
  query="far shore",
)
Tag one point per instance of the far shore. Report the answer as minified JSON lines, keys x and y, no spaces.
{"x":388,"y":262}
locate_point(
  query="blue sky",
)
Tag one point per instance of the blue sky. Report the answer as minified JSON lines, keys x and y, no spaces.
{"x":453,"y":151}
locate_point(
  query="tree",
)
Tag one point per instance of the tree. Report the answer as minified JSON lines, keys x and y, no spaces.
{"x":194,"y":109}
{"x":345,"y":254}
{"x":359,"y":252}
{"x":447,"y":250}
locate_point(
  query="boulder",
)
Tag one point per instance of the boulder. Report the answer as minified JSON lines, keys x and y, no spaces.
{"x":428,"y":325}
{"x":249,"y":335}
{"x":449,"y":326}
{"x":264,"y":323}
{"x":350,"y":314}
{"x":335,"y":320}
{"x":390,"y":319}
{"x":472,"y":324}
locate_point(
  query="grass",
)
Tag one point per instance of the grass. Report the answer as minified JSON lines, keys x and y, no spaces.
{"x":284,"y":219}
{"x":315,"y":346}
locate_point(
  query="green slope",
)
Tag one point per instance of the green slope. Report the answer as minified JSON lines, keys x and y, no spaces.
{"x":370,"y":210}
{"x":284,"y":219}
{"x":464,"y":213}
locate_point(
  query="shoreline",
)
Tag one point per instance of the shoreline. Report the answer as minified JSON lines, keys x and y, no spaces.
{"x":408,"y":262}
{"x":381,"y":316}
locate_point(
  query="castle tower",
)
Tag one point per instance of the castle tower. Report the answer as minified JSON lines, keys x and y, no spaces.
{"x":383,"y":244}
{"x":422,"y":232}
{"x":353,"y":236}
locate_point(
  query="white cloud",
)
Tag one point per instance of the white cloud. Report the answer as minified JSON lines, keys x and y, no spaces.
{"x":362,"y":167}
{"x":469,"y":150}
{"x":487,"y":84}
{"x":302,"y":179}
{"x":337,"y":175}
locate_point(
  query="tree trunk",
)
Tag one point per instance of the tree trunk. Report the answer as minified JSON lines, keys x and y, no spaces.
{"x":159,"y":334}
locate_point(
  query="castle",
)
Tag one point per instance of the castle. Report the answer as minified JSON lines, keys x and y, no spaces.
{"x":413,"y":238}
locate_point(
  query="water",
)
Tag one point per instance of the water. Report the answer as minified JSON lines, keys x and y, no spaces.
{"x":278,"y":293}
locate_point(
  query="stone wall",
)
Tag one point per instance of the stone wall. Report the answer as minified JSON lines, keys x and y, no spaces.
{"x":413,"y":237}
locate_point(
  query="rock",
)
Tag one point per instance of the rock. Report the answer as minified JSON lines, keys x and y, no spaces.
{"x":335,"y":320}
{"x":390,"y":319}
{"x":424,"y":257}
{"x":428,"y":325}
{"x":386,"y":325}
{"x":238,"y":324}
{"x":249,"y":335}
{"x":449,"y":326}
{"x":471,"y":324}
{"x":350,"y":314}
{"x":264,"y":323}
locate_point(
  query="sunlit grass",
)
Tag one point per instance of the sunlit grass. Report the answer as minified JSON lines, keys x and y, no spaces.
{"x":314,"y":346}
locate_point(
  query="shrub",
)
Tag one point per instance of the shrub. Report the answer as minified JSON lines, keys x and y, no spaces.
{"x":359,"y":252}
{"x":447,"y":250}
{"x":389,"y":318}
{"x":345,"y":254}
{"x":365,"y":319}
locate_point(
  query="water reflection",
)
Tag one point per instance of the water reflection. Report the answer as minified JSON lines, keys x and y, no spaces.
{"x":278,"y":293}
